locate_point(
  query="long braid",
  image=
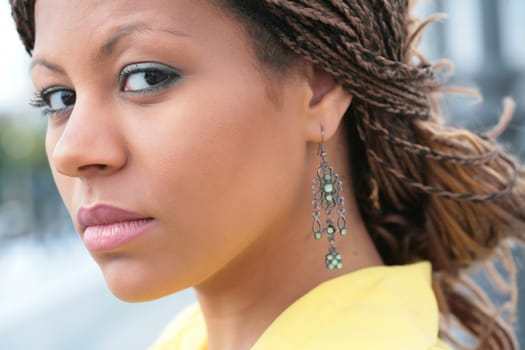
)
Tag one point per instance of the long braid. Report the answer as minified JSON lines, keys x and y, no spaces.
{"x":395,"y":117}
{"x":369,"y":79}
{"x":430,"y":192}
{"x":23,"y":14}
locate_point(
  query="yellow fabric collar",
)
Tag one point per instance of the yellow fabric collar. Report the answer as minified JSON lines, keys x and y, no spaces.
{"x":382,"y":307}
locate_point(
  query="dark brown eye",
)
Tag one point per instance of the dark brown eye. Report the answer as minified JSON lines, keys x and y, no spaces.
{"x":145,"y":77}
{"x":155,"y":77}
{"x":59,"y":99}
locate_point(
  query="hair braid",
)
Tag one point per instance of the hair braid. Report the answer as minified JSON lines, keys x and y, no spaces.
{"x":304,"y":37}
{"x":427,"y":152}
{"x":426,"y":191}
{"x":23,"y":14}
{"x":412,"y":95}
{"x":388,"y":28}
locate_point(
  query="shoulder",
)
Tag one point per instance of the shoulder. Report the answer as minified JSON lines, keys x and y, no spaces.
{"x":186,"y":332}
{"x":375,"y":308}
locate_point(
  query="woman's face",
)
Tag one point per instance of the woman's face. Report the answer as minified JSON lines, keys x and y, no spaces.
{"x":160,"y":108}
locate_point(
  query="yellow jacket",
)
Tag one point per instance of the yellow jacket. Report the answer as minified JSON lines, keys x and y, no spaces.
{"x":377,"y":308}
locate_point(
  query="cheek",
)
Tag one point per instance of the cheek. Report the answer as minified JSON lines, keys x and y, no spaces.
{"x":221,"y":172}
{"x":65,"y":185}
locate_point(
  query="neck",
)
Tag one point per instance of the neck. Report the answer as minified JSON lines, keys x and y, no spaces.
{"x":241,"y":301}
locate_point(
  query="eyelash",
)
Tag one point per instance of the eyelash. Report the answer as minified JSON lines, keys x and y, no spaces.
{"x":39,"y":99}
{"x":173,"y":73}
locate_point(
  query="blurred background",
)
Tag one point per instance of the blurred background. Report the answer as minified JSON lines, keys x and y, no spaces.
{"x":52,"y":295}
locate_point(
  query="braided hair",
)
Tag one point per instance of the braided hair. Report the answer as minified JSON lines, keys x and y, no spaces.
{"x":426,"y":191}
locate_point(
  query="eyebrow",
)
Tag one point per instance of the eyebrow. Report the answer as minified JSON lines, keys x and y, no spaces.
{"x":51,"y":66}
{"x":109,"y":45}
{"x":107,"y":48}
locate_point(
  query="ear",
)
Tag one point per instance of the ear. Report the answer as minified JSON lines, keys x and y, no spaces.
{"x":328,"y":104}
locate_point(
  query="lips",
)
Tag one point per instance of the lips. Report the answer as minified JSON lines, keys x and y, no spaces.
{"x":103,"y":215}
{"x":106,"y":228}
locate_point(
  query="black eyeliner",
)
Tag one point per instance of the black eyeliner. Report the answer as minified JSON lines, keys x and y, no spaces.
{"x":41,"y":100}
{"x":144,"y":67}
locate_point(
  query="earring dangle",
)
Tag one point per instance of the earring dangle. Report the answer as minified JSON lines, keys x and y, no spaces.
{"x":327,"y":190}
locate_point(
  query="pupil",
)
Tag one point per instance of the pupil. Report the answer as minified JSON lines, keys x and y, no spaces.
{"x":68,"y":98}
{"x":155,"y":77}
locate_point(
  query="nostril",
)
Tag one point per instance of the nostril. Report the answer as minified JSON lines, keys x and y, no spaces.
{"x":94,"y":167}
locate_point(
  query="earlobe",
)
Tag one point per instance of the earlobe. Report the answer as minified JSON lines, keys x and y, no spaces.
{"x":328,"y":104}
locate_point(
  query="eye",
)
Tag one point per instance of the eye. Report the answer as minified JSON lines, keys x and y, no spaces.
{"x":60,"y":99}
{"x":56,"y":99}
{"x":147,"y":77}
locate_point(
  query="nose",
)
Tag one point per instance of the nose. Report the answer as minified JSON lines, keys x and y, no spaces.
{"x":91,"y":143}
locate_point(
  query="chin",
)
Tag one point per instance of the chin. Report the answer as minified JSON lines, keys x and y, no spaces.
{"x":132,"y":294}
{"x":136,"y":284}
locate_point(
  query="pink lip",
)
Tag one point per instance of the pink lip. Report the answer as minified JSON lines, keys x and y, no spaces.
{"x":107,"y":228}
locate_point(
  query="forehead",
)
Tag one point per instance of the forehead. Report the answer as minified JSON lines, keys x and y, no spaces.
{"x":71,"y":23}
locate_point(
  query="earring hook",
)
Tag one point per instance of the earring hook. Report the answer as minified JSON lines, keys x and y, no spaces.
{"x":322,"y":147}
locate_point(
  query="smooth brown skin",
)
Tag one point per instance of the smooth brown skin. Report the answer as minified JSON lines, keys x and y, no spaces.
{"x":223,"y":159}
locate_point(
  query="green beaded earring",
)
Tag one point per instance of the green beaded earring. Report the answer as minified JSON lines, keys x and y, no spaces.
{"x":327,"y":190}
